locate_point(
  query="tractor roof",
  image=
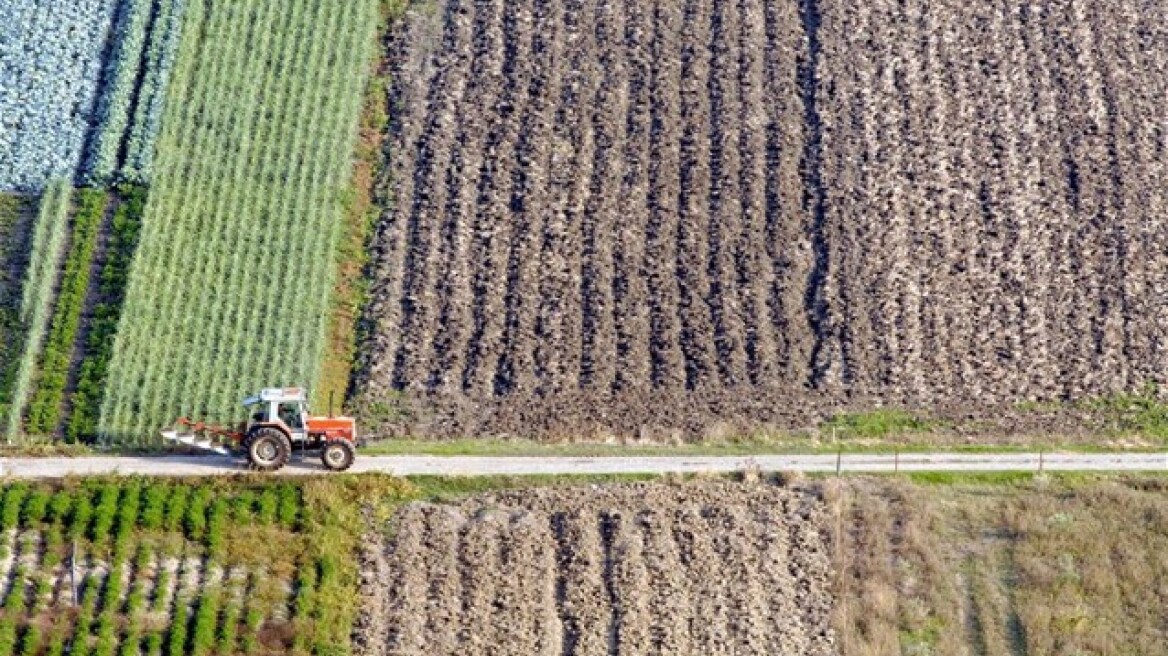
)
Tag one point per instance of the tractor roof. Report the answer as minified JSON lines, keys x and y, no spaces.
{"x":277,"y":394}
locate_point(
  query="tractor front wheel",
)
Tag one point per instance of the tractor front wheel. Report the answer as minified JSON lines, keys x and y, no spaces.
{"x":268,"y":449}
{"x":338,"y":455}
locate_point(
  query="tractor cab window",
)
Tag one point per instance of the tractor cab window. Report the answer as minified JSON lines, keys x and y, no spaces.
{"x":291,"y":416}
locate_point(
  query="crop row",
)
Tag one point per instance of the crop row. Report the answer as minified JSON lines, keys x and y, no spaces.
{"x":45,"y":408}
{"x":230,"y":287}
{"x":159,"y":59}
{"x":115,"y":108}
{"x":61,"y":378}
{"x":134,"y":88}
{"x":99,"y":513}
{"x":98,"y":347}
{"x":175,"y":568}
{"x":156,"y":575}
{"x":17,"y":219}
{"x":48,"y":247}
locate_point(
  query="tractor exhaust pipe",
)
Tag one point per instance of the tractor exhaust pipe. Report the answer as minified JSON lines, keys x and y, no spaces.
{"x":331,"y":403}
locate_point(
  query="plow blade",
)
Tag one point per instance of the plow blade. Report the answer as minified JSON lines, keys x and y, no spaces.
{"x":192,"y":440}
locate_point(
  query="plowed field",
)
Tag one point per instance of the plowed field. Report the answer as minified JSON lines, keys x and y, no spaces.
{"x":644,"y":569}
{"x":619,"y":216}
{"x":959,"y":565}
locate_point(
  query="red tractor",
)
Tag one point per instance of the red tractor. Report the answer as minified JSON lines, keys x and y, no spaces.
{"x":278,"y":423}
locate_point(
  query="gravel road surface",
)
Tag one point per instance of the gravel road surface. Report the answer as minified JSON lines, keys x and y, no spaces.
{"x":520,"y":465}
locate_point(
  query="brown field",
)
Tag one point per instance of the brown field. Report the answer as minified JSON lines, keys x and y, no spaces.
{"x":649,"y":216}
{"x":992,"y":566}
{"x":626,"y":569}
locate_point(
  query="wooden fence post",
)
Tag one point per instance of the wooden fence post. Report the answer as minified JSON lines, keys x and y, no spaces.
{"x":73,"y":572}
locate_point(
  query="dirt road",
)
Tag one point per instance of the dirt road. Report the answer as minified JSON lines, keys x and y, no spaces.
{"x":523,"y":465}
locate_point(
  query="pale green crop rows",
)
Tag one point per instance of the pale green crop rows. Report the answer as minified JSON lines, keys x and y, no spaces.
{"x":36,"y":303}
{"x":229,"y":290}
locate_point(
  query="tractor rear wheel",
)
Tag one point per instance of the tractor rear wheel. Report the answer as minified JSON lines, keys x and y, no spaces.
{"x":338,"y":455}
{"x":268,"y":449}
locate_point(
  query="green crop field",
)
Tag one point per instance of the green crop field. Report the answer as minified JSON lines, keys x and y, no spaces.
{"x":230,"y":567}
{"x":230,"y":287}
{"x":45,"y":406}
{"x":36,"y":303}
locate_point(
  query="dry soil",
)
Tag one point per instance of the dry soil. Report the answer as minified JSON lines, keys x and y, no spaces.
{"x":650,"y":216}
{"x":712,"y":568}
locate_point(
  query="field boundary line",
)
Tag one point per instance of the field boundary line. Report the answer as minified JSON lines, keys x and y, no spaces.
{"x":34,"y":468}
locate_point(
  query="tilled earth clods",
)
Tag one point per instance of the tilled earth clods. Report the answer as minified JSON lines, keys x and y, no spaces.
{"x":710,"y":568}
{"x":635,"y":216}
